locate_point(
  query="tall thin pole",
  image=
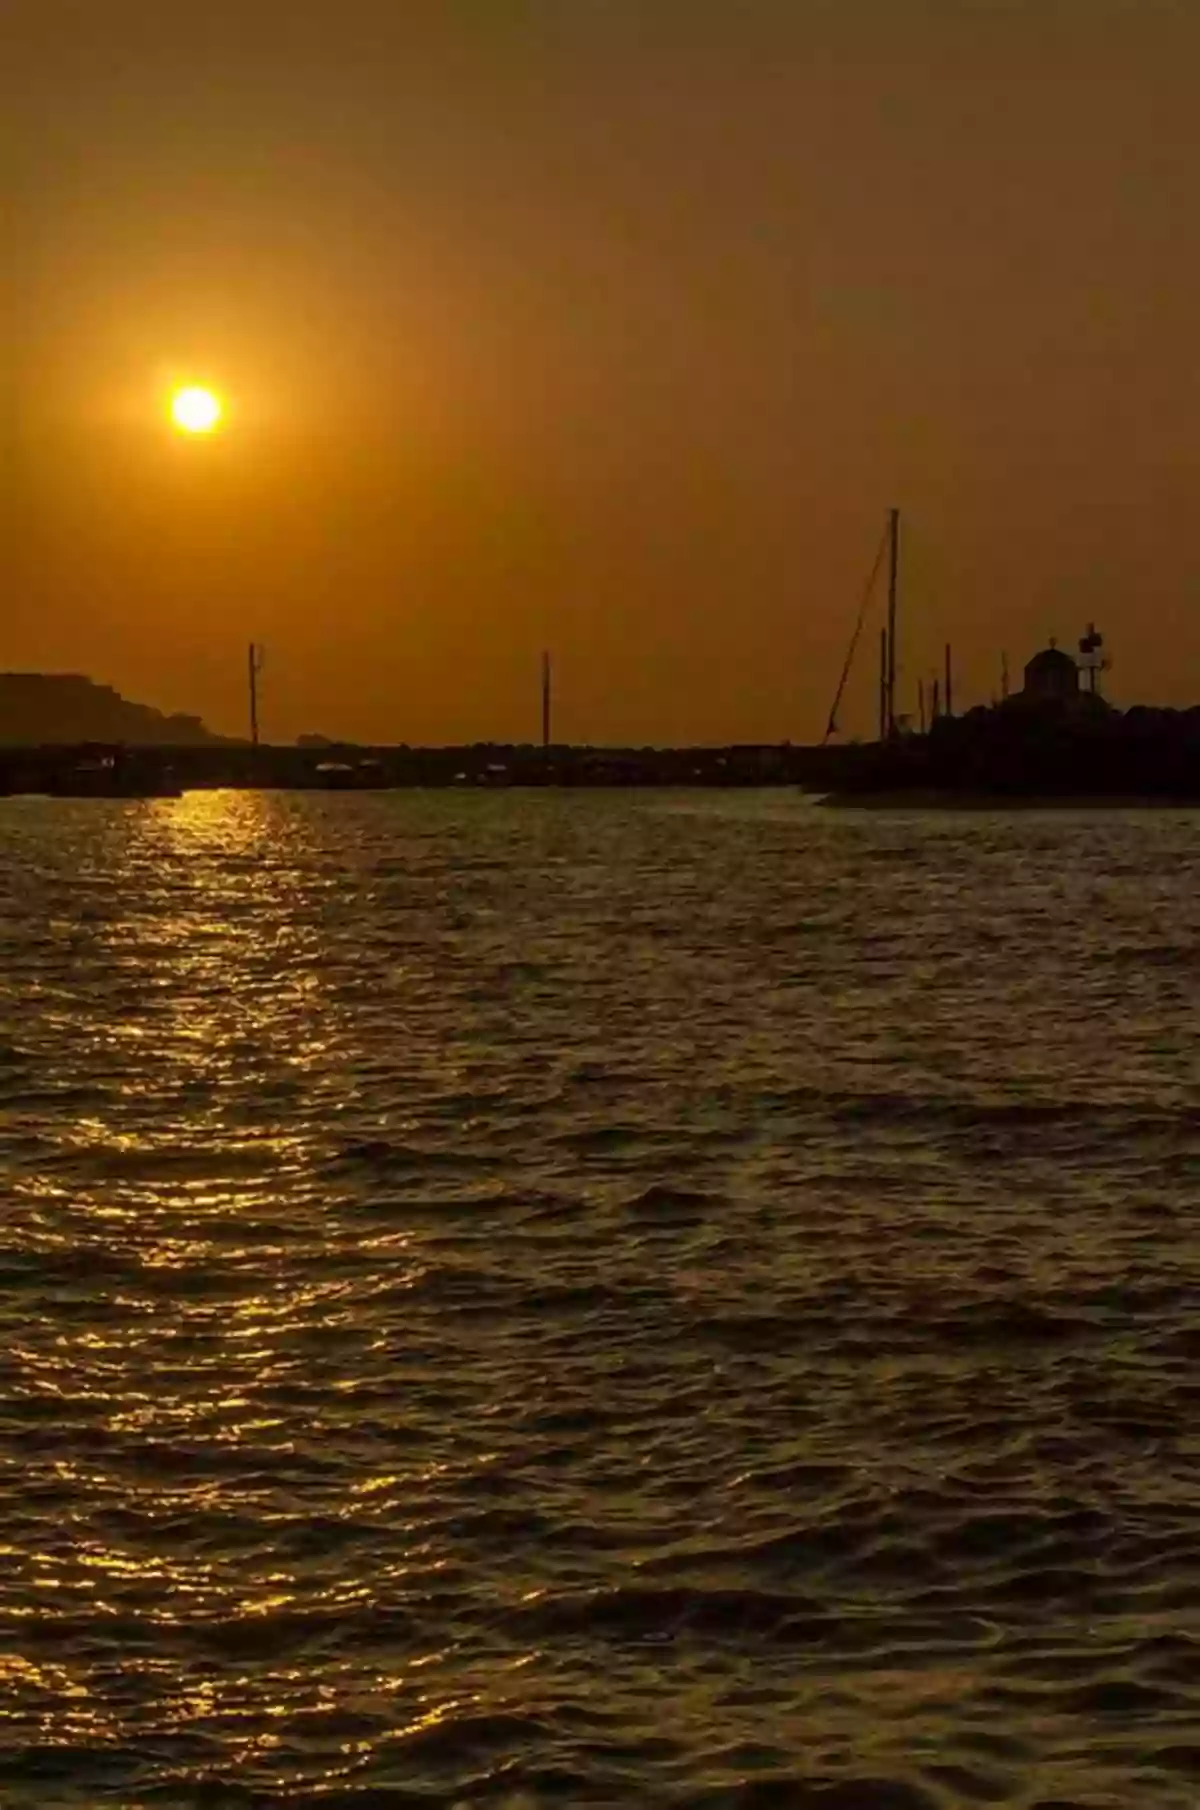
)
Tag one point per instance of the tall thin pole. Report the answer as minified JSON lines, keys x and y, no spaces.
{"x":893,"y":590}
{"x":937,"y":702}
{"x":949,"y":684}
{"x":883,"y":684}
{"x":252,"y":673}
{"x":546,"y":702}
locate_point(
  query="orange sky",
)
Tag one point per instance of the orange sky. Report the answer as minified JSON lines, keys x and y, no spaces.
{"x":546,"y":324}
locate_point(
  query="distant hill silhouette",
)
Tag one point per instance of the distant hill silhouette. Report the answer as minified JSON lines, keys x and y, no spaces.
{"x":37,"y":708}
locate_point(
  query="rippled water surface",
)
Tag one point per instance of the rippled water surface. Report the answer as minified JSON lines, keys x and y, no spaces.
{"x":580,"y":1299}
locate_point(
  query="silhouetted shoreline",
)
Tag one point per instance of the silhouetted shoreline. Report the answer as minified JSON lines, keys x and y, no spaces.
{"x":985,"y":760}
{"x":1032,"y":752}
{"x":1037,"y":750}
{"x":92,"y":770}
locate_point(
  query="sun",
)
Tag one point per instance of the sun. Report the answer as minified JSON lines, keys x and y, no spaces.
{"x":195,"y":410}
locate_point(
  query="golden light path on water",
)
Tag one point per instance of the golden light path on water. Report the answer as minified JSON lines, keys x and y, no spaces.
{"x":575,"y":1299}
{"x":225,"y":979}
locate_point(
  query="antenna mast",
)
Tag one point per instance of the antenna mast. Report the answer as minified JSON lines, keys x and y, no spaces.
{"x":1093,"y":661}
{"x":893,"y":590}
{"x":253,"y":668}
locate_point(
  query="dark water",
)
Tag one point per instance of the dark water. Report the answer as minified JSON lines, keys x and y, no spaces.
{"x":598,"y":1300}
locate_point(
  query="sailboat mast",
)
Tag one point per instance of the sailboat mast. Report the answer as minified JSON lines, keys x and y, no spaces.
{"x":893,"y":590}
{"x":864,"y":603}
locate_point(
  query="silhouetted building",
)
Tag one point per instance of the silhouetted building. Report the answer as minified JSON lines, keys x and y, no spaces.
{"x":1051,"y":677}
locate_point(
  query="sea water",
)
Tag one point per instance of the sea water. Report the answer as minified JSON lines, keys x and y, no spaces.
{"x":602,"y":1299}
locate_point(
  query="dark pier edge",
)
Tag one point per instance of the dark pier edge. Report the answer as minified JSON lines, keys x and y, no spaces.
{"x":126,"y":771}
{"x":994,"y":756}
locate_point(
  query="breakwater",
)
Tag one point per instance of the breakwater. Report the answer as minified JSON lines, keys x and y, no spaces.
{"x":78,"y":769}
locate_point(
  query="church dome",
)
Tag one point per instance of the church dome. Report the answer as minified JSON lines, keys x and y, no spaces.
{"x":1051,"y":660}
{"x":1052,"y":674}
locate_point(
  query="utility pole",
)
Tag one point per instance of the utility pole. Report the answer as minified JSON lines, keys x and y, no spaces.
{"x":893,"y":590}
{"x":253,"y":668}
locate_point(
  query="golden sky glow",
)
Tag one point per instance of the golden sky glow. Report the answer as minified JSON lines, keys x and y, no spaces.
{"x":610,"y":329}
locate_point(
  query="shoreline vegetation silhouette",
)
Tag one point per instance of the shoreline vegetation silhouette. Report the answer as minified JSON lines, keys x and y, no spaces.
{"x":1053,"y":742}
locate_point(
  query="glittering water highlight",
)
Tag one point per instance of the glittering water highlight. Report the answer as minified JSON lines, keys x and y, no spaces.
{"x":597,"y":1299}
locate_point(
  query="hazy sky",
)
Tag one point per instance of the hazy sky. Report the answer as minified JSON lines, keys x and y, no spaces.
{"x":609,"y":325}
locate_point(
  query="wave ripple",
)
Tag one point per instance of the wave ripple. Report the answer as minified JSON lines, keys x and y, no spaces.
{"x":597,"y":1300}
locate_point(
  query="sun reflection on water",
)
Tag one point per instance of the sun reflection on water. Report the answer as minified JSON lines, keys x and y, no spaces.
{"x":198,"y":1011}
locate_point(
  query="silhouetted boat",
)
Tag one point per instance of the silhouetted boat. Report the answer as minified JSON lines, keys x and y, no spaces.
{"x":111,"y":773}
{"x":347,"y":776}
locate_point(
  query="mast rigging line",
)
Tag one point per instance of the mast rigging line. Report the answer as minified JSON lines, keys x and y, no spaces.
{"x":831,"y":727}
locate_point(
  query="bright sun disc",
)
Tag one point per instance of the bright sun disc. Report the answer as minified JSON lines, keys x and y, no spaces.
{"x":195,"y":411}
